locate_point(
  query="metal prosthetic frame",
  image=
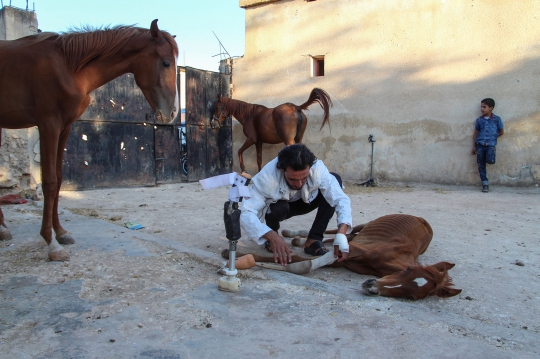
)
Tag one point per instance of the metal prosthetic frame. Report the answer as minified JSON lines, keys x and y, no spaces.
{"x":231,"y":217}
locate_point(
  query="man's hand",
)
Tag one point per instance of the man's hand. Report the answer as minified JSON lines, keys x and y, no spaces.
{"x":341,"y":256}
{"x":282,"y":252}
{"x":473,"y":152}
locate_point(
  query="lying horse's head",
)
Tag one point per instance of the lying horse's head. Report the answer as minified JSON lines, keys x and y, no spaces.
{"x":415,"y":282}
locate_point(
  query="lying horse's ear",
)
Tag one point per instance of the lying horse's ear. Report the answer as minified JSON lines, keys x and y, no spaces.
{"x":447,"y":292}
{"x":444,"y":266}
{"x":218,"y":97}
{"x":154,"y":30}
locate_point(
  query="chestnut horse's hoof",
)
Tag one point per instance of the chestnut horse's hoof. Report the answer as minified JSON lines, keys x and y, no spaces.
{"x":65,"y":238}
{"x":5,"y":234}
{"x":59,"y":255}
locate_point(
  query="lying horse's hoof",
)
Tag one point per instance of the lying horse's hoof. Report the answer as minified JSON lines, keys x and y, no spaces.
{"x":59,"y":255}
{"x":290,"y":233}
{"x":225,"y":254}
{"x":368,"y":287}
{"x":5,"y":234}
{"x":65,"y":238}
{"x":298,"y":241}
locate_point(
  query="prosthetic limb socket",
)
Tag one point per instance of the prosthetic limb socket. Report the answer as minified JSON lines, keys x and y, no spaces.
{"x":231,"y":217}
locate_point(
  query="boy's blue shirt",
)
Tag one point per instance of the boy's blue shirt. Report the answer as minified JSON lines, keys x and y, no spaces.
{"x":488,"y":130}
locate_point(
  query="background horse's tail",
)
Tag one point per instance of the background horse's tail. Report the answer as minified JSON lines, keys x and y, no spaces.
{"x":320,"y":96}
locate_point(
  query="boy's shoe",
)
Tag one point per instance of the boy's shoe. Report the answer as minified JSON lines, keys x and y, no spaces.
{"x":485,"y":188}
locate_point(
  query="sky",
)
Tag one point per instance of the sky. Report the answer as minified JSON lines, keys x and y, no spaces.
{"x":192,"y":21}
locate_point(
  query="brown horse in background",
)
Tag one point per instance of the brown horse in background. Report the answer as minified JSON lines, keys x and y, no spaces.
{"x":285,"y":123}
{"x":46,"y":80}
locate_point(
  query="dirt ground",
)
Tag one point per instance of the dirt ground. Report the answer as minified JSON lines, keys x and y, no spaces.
{"x":170,"y":266}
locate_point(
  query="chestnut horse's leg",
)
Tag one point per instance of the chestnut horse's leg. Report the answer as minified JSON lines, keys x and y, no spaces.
{"x":249,"y":142}
{"x":49,"y":139}
{"x":258,"y":146}
{"x":62,"y":236}
{"x":5,"y":234}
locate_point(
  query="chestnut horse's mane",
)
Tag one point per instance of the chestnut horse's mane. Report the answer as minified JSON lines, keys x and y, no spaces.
{"x":80,"y":46}
{"x":239,"y":109}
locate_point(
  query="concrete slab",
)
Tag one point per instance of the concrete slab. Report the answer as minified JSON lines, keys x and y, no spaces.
{"x":132,"y":294}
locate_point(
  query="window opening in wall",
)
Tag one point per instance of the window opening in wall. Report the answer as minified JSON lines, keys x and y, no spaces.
{"x":317,"y":66}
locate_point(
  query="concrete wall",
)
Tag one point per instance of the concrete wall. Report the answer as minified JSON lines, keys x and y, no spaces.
{"x":412,"y":73}
{"x":19,"y":153}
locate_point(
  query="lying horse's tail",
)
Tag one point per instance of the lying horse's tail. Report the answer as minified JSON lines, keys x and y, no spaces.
{"x":320,"y":96}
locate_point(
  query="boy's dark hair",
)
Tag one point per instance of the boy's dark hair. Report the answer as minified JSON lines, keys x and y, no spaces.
{"x":489,"y":101}
{"x":298,"y":157}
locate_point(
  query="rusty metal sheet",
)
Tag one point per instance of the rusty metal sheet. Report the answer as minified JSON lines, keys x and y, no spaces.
{"x":119,"y":100}
{"x":209,"y":149}
{"x":168,"y":154}
{"x":196,"y":152}
{"x":219,"y":140}
{"x":106,"y":154}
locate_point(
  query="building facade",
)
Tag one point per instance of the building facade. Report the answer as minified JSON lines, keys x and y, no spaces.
{"x":410,"y":73}
{"x":19,"y":153}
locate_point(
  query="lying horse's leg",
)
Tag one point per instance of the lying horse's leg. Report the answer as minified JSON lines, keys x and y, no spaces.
{"x":244,"y":147}
{"x":62,"y":236}
{"x":5,"y":234}
{"x":49,"y":138}
{"x":264,"y":259}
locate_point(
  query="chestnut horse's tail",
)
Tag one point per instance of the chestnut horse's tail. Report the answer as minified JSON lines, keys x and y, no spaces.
{"x":320,"y":96}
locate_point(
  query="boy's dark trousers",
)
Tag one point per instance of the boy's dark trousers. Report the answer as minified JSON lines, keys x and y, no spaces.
{"x":282,"y":210}
{"x":484,"y":154}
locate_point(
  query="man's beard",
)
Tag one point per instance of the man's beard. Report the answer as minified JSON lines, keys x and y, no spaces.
{"x":291,"y":187}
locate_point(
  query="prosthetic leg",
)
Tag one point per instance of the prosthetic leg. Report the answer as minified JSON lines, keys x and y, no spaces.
{"x":231,"y":217}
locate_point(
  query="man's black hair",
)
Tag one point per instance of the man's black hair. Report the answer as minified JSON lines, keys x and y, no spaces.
{"x":489,"y":101}
{"x":298,"y":157}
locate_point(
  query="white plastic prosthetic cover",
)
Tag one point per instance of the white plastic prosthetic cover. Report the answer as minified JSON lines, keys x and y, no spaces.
{"x":235,"y":193}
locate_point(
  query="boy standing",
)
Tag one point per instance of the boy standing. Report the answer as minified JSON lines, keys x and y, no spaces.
{"x":487,"y":129}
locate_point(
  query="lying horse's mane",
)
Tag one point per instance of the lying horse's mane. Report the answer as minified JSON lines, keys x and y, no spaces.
{"x":80,"y":46}
{"x":441,"y":278}
{"x":239,"y":109}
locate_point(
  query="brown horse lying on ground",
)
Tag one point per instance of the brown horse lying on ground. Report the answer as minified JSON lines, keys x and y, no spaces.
{"x":388,"y":247}
{"x":285,"y":123}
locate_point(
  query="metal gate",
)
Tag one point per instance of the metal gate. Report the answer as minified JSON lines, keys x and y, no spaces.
{"x":116,"y":142}
{"x":209,"y":148}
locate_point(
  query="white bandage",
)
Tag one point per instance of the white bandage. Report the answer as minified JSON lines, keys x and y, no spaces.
{"x":341,"y":241}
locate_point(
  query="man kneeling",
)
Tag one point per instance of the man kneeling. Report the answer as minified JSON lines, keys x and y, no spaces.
{"x":293,"y":184}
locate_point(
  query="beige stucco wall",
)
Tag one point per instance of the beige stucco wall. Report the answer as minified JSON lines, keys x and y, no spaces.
{"x":19,"y":153}
{"x":412,"y":73}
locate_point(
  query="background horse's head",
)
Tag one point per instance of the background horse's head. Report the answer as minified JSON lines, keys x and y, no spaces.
{"x":415,"y":282}
{"x":220,"y":112}
{"x":155,"y":73}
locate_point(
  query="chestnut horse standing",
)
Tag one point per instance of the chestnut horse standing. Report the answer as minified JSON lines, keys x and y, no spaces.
{"x":46,"y":80}
{"x":285,"y":123}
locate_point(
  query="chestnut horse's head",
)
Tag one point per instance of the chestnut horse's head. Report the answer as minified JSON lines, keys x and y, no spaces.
{"x":155,"y":74}
{"x":415,"y":282}
{"x":220,"y":113}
